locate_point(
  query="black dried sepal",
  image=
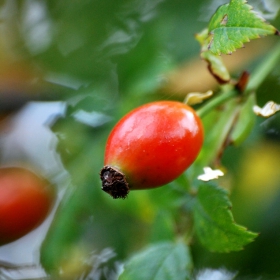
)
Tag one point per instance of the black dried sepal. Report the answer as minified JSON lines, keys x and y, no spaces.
{"x":114,"y":182}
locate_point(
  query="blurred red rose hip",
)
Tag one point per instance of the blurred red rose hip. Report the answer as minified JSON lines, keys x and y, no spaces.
{"x":25,"y":201}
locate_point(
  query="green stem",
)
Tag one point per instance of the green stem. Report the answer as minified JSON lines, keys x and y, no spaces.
{"x":256,"y":79}
{"x":215,"y":102}
{"x":263,"y":69}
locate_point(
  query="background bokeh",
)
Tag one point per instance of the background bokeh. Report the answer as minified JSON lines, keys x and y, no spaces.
{"x":68,"y":71}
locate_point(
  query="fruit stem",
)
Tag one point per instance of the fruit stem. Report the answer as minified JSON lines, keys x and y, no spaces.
{"x":263,"y":69}
{"x":256,"y":79}
{"x":215,"y":102}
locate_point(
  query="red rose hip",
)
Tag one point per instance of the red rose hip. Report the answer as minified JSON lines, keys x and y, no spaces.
{"x":150,"y":147}
{"x":25,"y":202}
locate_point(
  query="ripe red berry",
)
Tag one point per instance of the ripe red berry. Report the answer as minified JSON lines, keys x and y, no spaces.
{"x":25,"y":201}
{"x":150,"y":147}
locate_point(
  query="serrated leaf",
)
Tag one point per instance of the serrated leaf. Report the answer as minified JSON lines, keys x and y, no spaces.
{"x":162,"y":261}
{"x":234,"y":24}
{"x":214,"y":223}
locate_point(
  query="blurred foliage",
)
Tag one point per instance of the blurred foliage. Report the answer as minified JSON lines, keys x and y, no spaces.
{"x":101,"y":58}
{"x":167,"y":261}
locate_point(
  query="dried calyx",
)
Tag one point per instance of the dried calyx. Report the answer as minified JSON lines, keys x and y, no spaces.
{"x":114,"y":182}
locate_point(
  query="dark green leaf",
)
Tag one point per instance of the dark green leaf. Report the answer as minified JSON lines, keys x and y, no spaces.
{"x":214,"y":223}
{"x":163,"y":261}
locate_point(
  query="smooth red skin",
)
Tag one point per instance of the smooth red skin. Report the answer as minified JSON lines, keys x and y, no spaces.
{"x":25,"y":201}
{"x":155,"y":143}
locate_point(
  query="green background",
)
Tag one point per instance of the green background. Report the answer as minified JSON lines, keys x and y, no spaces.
{"x":90,"y":62}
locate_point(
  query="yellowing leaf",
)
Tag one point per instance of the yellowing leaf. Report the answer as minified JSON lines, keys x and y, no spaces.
{"x":197,"y":97}
{"x":216,"y":67}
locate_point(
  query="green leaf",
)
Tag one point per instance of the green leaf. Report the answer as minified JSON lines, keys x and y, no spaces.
{"x":163,"y":227}
{"x":214,"y":223}
{"x":245,"y":122}
{"x":214,"y":143}
{"x":162,"y":261}
{"x":234,"y":24}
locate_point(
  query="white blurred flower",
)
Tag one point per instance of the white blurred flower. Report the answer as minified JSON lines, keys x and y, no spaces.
{"x":210,"y":174}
